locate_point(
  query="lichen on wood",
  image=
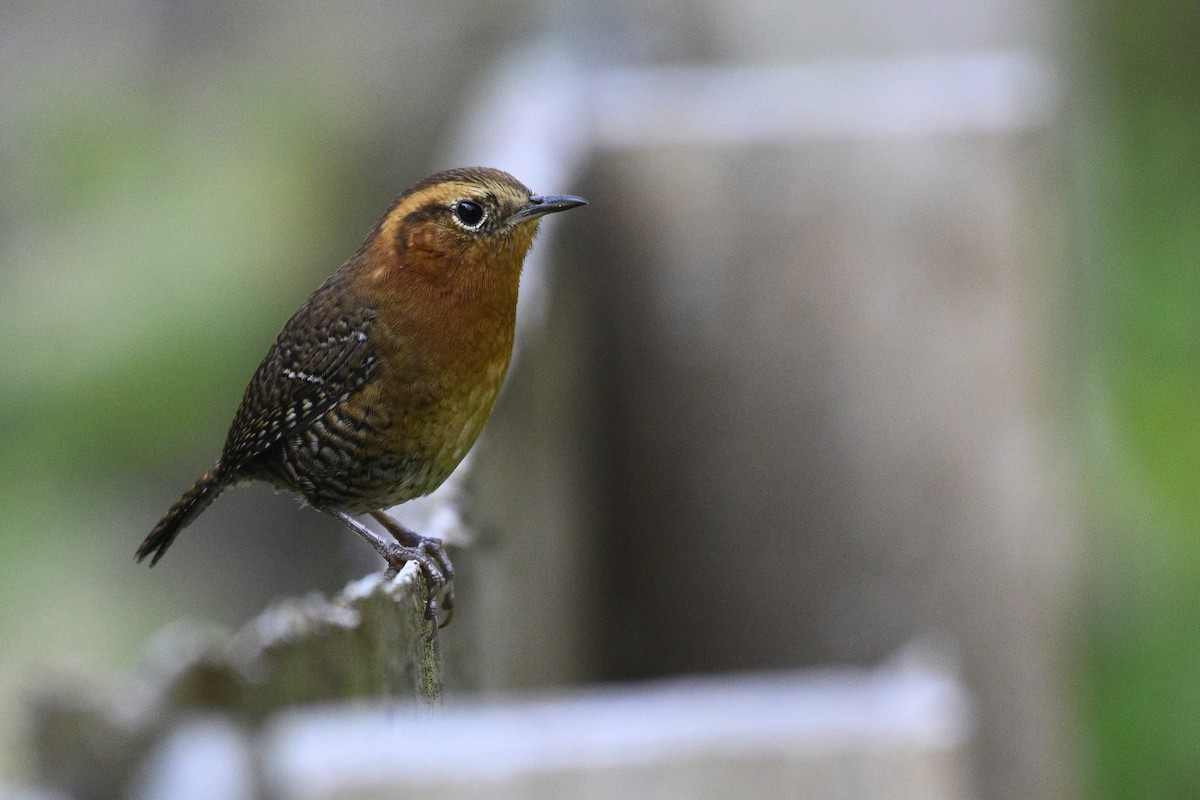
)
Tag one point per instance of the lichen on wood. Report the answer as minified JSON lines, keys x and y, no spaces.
{"x":369,"y":643}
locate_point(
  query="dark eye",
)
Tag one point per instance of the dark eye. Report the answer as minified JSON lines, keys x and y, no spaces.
{"x":470,"y":214}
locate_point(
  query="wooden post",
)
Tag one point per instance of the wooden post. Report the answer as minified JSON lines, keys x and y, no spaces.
{"x":369,"y":643}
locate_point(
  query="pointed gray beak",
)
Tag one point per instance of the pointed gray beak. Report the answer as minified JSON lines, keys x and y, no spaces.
{"x":541,"y":204}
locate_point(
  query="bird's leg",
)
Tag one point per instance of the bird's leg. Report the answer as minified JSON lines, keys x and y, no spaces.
{"x":432,"y":547}
{"x":397,"y":554}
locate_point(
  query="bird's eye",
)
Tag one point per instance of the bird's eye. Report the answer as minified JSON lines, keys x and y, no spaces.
{"x":470,"y":215}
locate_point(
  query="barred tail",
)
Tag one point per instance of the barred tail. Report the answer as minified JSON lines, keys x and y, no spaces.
{"x":194,"y":500}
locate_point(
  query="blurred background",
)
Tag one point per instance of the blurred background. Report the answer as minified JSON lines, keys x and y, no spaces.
{"x":815,"y":377}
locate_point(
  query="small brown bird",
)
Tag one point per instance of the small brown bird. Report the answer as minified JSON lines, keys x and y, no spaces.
{"x":379,"y":385}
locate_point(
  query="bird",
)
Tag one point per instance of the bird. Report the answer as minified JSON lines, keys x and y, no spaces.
{"x":379,"y":385}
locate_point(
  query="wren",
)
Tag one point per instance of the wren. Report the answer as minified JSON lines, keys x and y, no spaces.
{"x":381,"y":382}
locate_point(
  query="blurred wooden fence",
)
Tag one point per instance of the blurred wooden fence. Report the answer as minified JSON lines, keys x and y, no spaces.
{"x":318,"y":700}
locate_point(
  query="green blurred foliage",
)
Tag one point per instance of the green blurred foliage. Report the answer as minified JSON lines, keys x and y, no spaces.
{"x":159,"y":225}
{"x":141,"y":232}
{"x":1142,"y":253}
{"x":175,"y":179}
{"x":155,"y":235}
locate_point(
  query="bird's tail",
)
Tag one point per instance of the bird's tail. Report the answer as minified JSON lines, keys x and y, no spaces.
{"x":194,"y":500}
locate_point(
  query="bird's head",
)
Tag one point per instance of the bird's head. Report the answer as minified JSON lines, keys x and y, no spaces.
{"x":464,"y":230}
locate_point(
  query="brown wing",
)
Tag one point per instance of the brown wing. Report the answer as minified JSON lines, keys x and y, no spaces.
{"x":322,"y":355}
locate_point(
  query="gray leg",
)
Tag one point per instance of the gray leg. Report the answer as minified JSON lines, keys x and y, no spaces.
{"x":397,"y":554}
{"x":429,"y":545}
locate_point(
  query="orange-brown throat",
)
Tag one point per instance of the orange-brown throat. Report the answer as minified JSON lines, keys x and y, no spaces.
{"x":433,"y":272}
{"x":451,"y":289}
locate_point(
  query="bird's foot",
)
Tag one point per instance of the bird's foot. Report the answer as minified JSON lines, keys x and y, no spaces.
{"x":430,"y":556}
{"x":429,"y":553}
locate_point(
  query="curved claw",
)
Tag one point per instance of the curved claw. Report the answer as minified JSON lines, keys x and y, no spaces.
{"x":436,"y":581}
{"x":430,"y":554}
{"x":447,"y":605}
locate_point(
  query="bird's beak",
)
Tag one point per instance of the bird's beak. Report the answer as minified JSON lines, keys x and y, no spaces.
{"x":541,"y":204}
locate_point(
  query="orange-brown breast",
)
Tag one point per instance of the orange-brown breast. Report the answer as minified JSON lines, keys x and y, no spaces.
{"x":444,"y":335}
{"x":436,"y":341}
